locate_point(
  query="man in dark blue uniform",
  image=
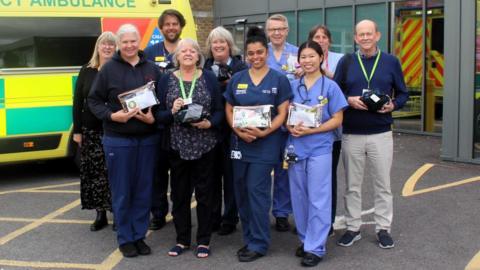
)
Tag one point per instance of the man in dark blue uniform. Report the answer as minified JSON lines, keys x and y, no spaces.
{"x":170,"y":23}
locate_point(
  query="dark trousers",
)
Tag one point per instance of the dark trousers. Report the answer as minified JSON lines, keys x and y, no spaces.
{"x":160,"y":186}
{"x":253,"y":183}
{"x":130,"y":163}
{"x":189,"y":175}
{"x":223,"y":170}
{"x":337,"y":147}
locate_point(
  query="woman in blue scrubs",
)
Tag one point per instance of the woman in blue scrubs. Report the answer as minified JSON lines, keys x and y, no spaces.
{"x":310,"y":176}
{"x":255,"y":151}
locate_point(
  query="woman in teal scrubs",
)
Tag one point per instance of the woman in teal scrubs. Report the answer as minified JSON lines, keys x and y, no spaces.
{"x":255,"y":151}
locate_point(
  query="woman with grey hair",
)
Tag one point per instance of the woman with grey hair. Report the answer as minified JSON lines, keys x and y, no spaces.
{"x":87,"y":133}
{"x":130,"y":139}
{"x":192,"y":111}
{"x":224,"y":61}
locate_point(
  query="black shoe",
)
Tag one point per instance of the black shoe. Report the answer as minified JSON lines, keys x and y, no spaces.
{"x":348,"y":238}
{"x":216,"y":227}
{"x":242,"y":250}
{"x":310,"y":260}
{"x":100,"y":221}
{"x":157,"y":223}
{"x":142,"y":248}
{"x":128,"y":250}
{"x":226,"y":229}
{"x":249,"y":256}
{"x":384,"y":239}
{"x":300,"y":252}
{"x":282,"y":224}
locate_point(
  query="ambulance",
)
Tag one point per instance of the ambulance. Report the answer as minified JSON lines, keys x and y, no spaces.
{"x":43,"y":44}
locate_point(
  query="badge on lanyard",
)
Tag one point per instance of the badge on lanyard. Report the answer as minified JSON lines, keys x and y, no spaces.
{"x":187,"y":101}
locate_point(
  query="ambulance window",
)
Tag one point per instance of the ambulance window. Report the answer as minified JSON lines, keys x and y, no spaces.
{"x":47,"y":42}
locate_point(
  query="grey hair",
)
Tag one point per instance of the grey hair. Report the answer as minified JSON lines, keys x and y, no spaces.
{"x":277,"y":17}
{"x":221,"y":33}
{"x":188,"y":41}
{"x":127,"y":29}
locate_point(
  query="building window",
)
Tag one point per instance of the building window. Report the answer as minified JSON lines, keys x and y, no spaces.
{"x":307,"y":19}
{"x":377,"y":13}
{"x":341,"y":29}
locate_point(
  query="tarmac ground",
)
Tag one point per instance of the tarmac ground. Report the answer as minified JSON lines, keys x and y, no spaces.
{"x":436,"y":222}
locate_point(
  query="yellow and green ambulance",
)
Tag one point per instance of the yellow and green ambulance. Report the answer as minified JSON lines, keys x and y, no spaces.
{"x":43,"y":43}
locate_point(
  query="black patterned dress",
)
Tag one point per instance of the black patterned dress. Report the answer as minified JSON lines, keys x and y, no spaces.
{"x":94,"y":187}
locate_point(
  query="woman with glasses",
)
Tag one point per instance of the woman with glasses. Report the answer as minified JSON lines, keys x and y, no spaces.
{"x":87,"y":133}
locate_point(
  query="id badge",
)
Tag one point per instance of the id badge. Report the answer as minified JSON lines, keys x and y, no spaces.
{"x":365,"y":91}
{"x":187,"y":101}
{"x":235,"y":154}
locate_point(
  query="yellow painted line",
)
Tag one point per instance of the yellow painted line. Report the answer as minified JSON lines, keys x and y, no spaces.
{"x":412,"y":181}
{"x":56,"y":221}
{"x":408,"y":188}
{"x":38,"y":222}
{"x":50,"y":191}
{"x":474,"y":264}
{"x":39,"y":188}
{"x":111,"y":261}
{"x":48,"y":265}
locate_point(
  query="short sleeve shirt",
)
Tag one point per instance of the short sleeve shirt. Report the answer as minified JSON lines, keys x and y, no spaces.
{"x":274,"y":89}
{"x":319,"y":143}
{"x":289,"y":51}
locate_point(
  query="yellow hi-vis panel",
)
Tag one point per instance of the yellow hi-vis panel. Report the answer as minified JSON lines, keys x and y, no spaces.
{"x":3,"y":126}
{"x":38,"y":91}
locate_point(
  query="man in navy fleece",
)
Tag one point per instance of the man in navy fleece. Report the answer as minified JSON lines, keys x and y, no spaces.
{"x":367,"y":137}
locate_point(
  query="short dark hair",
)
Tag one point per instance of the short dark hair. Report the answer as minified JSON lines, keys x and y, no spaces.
{"x":174,"y":13}
{"x":256,"y":34}
{"x":317,"y":27}
{"x":314,"y":46}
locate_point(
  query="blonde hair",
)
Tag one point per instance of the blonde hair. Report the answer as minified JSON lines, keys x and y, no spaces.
{"x":278,"y":17}
{"x":196,"y":47}
{"x":221,"y":33}
{"x":105,"y":37}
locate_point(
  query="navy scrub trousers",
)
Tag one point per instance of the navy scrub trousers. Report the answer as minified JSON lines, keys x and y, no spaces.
{"x":131,"y":162}
{"x":253,"y":183}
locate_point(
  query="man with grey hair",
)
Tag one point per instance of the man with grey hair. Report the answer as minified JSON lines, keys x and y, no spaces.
{"x":373,"y":83}
{"x":282,"y":56}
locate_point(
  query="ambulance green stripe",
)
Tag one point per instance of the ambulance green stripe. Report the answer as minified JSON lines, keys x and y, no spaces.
{"x":38,"y":120}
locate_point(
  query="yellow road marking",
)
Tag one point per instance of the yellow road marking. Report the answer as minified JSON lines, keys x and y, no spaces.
{"x":38,"y":222}
{"x":38,"y":188}
{"x":474,"y":264}
{"x":48,"y":265}
{"x":111,"y":261}
{"x":408,"y":188}
{"x":57,"y":221}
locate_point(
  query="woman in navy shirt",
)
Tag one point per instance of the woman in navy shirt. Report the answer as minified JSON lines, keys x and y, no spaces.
{"x":310,"y":176}
{"x":256,"y":150}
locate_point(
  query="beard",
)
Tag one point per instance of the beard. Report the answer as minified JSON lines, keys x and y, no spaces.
{"x":174,"y":39}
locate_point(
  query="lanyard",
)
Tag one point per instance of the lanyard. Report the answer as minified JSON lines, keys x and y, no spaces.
{"x":368,"y":78}
{"x":182,"y":87}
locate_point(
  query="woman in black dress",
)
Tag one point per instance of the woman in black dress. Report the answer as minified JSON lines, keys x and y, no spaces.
{"x":87,"y":133}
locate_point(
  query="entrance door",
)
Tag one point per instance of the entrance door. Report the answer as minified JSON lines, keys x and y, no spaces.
{"x":418,"y":43}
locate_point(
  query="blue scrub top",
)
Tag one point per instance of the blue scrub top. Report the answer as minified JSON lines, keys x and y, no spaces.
{"x":280,"y":65}
{"x":274,"y":89}
{"x":319,"y":143}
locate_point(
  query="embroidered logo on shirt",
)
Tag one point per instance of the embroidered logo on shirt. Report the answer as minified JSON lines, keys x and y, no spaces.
{"x":274,"y":90}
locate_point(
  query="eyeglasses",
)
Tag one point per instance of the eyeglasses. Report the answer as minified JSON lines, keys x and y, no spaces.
{"x":280,"y":30}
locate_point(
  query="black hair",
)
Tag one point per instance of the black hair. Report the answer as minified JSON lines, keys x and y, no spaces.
{"x":256,"y":34}
{"x":174,"y":13}
{"x":314,"y":46}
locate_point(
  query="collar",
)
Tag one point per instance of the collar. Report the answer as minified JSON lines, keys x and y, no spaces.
{"x":228,"y":61}
{"x":365,"y":57}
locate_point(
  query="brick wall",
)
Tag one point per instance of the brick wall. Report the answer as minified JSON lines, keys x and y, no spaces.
{"x":203,"y":15}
